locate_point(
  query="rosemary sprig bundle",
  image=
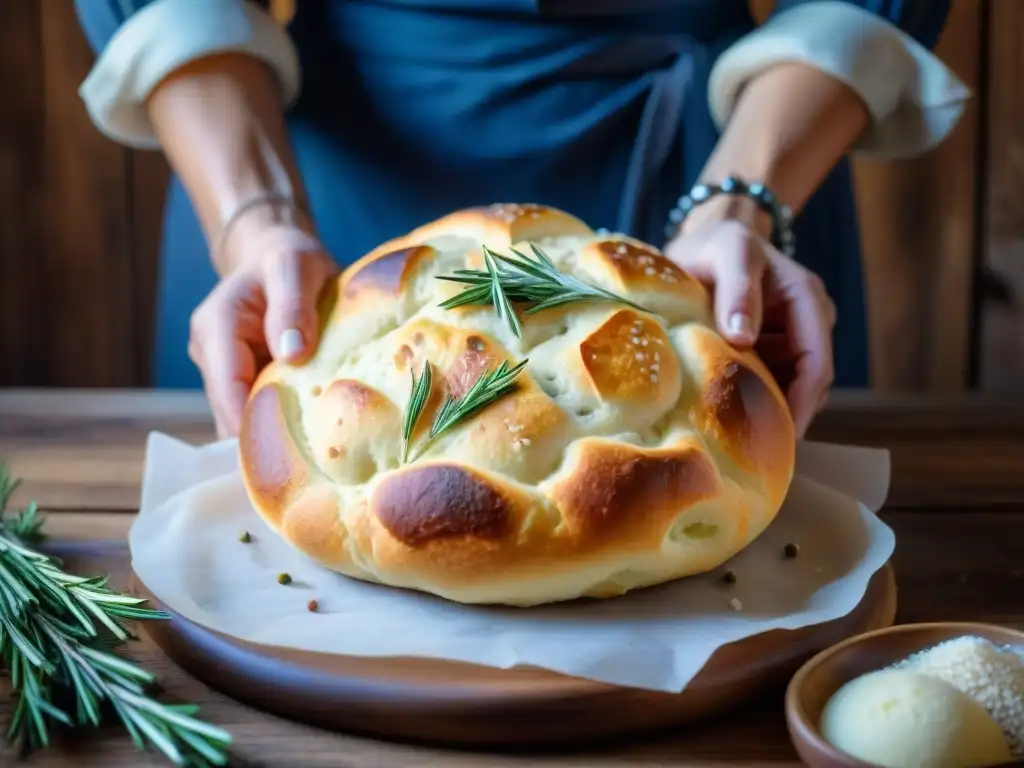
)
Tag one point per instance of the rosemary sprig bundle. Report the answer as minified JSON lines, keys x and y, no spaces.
{"x":57,"y":638}
{"x":518,"y":279}
{"x":489,"y":387}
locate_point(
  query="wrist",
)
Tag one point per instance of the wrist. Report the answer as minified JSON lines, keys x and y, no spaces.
{"x":739,"y":201}
{"x":738,"y":208}
{"x":249,"y":222}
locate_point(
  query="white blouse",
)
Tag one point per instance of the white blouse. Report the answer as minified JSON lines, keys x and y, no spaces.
{"x":913,"y":98}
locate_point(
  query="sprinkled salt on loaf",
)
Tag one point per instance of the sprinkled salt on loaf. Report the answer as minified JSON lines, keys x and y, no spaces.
{"x":991,"y":675}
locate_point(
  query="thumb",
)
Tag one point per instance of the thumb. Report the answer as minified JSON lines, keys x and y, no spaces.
{"x":738,"y":300}
{"x":293,"y":284}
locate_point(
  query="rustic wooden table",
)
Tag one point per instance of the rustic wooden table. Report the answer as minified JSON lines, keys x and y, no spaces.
{"x":956,"y":504}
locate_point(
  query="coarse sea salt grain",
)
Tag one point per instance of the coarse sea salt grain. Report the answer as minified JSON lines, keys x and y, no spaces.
{"x":990,"y":674}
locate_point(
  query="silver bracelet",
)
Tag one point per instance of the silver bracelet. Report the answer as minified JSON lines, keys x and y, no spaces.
{"x":269,"y":198}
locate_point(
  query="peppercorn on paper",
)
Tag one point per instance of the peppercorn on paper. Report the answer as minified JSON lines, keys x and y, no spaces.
{"x":186,"y":549}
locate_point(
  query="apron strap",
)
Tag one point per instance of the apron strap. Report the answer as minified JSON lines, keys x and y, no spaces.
{"x":659,"y":129}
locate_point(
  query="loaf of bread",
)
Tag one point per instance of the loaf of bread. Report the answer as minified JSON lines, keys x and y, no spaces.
{"x":635,"y":447}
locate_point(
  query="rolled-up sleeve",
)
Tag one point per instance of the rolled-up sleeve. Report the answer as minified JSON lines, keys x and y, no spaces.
{"x":139,"y":42}
{"x":879,"y":48}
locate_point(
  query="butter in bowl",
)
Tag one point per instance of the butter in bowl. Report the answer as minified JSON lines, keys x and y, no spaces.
{"x":947,"y":695}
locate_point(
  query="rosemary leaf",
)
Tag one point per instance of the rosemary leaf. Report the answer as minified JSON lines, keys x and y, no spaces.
{"x":420,"y":393}
{"x":542,"y":257}
{"x":506,"y":312}
{"x":489,"y":387}
{"x":485,"y":390}
{"x":57,"y":638}
{"x":519,"y":279}
{"x":8,"y":484}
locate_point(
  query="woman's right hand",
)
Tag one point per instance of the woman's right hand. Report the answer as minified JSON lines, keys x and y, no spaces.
{"x":263,"y":309}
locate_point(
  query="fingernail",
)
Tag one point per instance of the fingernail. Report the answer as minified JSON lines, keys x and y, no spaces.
{"x":740,"y":325}
{"x":291,"y":343}
{"x":822,"y":401}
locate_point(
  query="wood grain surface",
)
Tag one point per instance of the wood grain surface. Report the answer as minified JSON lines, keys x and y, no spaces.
{"x":22,"y":110}
{"x":959,"y":559}
{"x":445,"y":704}
{"x":918,"y":238}
{"x":1001,"y":348}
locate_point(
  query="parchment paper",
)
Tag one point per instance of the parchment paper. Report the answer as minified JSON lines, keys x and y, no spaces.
{"x":185,"y":548}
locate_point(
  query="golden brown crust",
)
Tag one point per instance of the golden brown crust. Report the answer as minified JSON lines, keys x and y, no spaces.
{"x":742,"y":407}
{"x":637,"y":447}
{"x":274,"y":469}
{"x":503,"y":224}
{"x":630,"y":358}
{"x":656,"y":281}
{"x":621,"y":495}
{"x":427,"y":504}
{"x":387,"y":273}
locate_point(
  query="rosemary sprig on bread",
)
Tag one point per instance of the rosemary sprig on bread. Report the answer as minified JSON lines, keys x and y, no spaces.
{"x":518,"y":279}
{"x":489,"y":387}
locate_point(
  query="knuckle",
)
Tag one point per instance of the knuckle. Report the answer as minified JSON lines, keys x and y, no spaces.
{"x":195,"y":352}
{"x":815,"y":283}
{"x":215,"y":315}
{"x":828,"y":375}
{"x":745,"y":241}
{"x":745,"y":292}
{"x":754,"y":255}
{"x":742,"y":253}
{"x":206,"y":313}
{"x":197,"y":322}
{"x":690,"y":257}
{"x":822,"y":402}
{"x":738,"y":230}
{"x":288,"y":259}
{"x":282,"y":274}
{"x":294,"y":308}
{"x":279,"y":256}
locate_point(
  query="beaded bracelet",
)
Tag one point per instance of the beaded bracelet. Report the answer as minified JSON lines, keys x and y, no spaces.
{"x":782,"y":217}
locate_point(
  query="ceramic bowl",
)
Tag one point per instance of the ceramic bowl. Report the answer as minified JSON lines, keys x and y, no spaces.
{"x":815,"y":682}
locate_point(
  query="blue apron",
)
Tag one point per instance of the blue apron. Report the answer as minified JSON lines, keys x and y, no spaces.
{"x":414,"y":108}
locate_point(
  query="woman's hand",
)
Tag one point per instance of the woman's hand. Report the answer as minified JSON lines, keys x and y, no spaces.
{"x":765,"y":301}
{"x":264,"y":309}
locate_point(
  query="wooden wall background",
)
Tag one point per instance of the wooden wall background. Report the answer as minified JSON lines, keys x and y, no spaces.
{"x":80,"y":218}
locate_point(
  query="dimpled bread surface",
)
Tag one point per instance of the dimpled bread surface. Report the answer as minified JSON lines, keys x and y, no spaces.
{"x":638,"y":447}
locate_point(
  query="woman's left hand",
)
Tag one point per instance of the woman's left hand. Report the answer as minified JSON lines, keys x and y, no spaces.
{"x":768,"y":302}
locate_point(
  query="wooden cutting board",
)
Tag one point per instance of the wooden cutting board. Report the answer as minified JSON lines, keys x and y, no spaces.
{"x":459,"y":704}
